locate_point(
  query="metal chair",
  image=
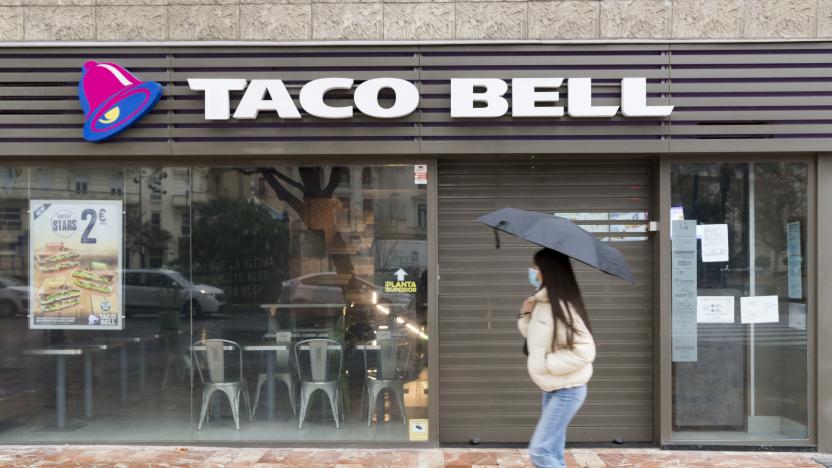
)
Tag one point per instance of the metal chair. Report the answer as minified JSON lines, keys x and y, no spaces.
{"x":214,"y":360}
{"x":284,"y":372}
{"x":320,"y":363}
{"x":391,"y":374}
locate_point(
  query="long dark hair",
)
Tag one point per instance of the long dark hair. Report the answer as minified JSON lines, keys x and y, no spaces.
{"x":559,"y":281}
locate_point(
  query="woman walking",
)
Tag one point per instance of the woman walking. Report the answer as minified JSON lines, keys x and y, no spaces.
{"x":560,"y":351}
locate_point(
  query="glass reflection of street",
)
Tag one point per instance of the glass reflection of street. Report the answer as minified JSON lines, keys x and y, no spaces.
{"x":299,"y":290}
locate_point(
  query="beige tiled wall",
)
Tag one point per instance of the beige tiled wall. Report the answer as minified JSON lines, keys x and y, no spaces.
{"x":291,"y":20}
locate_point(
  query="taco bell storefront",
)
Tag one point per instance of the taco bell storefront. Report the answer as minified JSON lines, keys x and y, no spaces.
{"x":172,"y":240}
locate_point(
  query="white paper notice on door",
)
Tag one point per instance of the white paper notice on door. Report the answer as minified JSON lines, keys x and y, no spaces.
{"x":759,"y":309}
{"x":797,"y":316}
{"x":715,"y":309}
{"x":714,"y":242}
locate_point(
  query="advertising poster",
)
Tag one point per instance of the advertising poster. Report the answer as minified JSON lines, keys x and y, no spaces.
{"x":75,"y":264}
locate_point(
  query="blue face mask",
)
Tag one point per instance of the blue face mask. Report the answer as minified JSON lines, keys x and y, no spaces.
{"x":533,"y":278}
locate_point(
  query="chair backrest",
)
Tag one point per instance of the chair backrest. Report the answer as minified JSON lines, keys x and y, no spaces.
{"x":283,"y":358}
{"x":393,"y":358}
{"x":216,"y":356}
{"x":319,"y":360}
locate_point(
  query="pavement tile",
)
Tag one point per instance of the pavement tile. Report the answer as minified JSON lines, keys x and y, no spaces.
{"x":159,"y":457}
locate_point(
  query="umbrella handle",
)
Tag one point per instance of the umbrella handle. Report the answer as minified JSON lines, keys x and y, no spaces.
{"x":497,"y":238}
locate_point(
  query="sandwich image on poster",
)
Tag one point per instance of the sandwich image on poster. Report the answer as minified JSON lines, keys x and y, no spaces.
{"x":75,"y":256}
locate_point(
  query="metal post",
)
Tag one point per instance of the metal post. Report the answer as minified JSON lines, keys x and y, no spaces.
{"x":270,"y":390}
{"x":752,"y":289}
{"x":142,"y":368}
{"x":123,"y":356}
{"x":60,"y":392}
{"x":88,"y":385}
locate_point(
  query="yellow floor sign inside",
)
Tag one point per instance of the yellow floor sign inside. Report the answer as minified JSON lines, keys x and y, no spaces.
{"x":418,"y":430}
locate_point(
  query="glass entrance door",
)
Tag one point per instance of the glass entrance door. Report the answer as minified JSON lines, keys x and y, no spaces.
{"x":739,"y":301}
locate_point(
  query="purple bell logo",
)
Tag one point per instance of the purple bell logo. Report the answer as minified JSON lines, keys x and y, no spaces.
{"x":113,"y":99}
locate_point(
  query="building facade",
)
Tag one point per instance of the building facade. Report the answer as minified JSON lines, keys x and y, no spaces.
{"x":272,"y":228}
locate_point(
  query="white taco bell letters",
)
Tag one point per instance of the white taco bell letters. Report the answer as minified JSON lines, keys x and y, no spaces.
{"x":466,"y":93}
{"x":470,"y":98}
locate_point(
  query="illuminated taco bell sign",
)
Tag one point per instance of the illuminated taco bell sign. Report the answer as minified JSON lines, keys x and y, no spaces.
{"x":113,"y":100}
{"x":470,"y":98}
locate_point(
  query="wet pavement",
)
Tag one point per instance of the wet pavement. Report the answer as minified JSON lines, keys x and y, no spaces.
{"x":147,"y":456}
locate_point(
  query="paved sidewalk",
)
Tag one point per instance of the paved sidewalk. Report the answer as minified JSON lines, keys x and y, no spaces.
{"x":133,"y":456}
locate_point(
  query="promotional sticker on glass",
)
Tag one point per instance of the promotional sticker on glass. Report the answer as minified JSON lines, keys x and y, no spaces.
{"x":714,"y":242}
{"x":683,"y":291}
{"x":715,"y":309}
{"x":797,"y":316}
{"x":759,"y":309}
{"x":794,"y":260}
{"x":75,"y":261}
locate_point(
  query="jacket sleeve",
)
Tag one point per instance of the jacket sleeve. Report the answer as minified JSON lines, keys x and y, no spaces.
{"x":567,"y":361}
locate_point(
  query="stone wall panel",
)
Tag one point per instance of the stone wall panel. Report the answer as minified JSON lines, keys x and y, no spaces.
{"x":59,"y":23}
{"x":418,"y":21}
{"x":203,"y":22}
{"x":134,"y":23}
{"x":276,"y":22}
{"x":491,"y":20}
{"x":354,"y":21}
{"x":635,"y":19}
{"x":711,"y":19}
{"x":780,"y":18}
{"x":824,"y":18}
{"x":194,"y":20}
{"x":570,"y":19}
{"x":11,"y":23}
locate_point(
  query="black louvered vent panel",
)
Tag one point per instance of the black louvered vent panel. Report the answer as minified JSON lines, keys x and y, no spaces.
{"x":728,"y":97}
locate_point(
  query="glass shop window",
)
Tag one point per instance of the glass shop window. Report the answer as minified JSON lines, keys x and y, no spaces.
{"x":311,"y":276}
{"x":739,"y":301}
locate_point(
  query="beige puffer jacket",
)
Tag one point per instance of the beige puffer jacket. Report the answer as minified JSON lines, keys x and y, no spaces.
{"x":553,"y":369}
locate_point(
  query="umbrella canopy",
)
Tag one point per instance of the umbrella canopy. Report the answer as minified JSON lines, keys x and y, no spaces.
{"x":562,"y":235}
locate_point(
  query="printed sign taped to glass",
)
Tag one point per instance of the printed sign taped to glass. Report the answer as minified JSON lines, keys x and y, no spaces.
{"x":75,"y":264}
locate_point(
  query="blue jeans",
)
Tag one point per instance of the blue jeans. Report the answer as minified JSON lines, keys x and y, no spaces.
{"x":549,"y":439}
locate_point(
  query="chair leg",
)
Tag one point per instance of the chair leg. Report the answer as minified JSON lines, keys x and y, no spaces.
{"x":363,"y":398}
{"x":304,"y":406}
{"x":206,"y":402}
{"x":333,"y":396}
{"x":341,"y":406}
{"x":234,"y":402}
{"x":293,"y":395}
{"x":247,"y":398}
{"x":290,"y":387}
{"x":374,"y":392}
{"x":398,"y":391}
{"x":261,"y":379}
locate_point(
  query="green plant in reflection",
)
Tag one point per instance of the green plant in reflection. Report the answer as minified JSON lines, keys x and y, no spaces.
{"x":240,"y":247}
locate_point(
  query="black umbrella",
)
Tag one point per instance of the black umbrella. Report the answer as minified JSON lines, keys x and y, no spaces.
{"x":562,"y":235}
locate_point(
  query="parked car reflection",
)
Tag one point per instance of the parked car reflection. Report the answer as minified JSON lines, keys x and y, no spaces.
{"x":155,"y":290}
{"x":334,"y":288}
{"x":14,"y":297}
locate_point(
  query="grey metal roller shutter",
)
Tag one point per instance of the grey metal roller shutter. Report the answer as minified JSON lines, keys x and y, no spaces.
{"x":484,"y":389}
